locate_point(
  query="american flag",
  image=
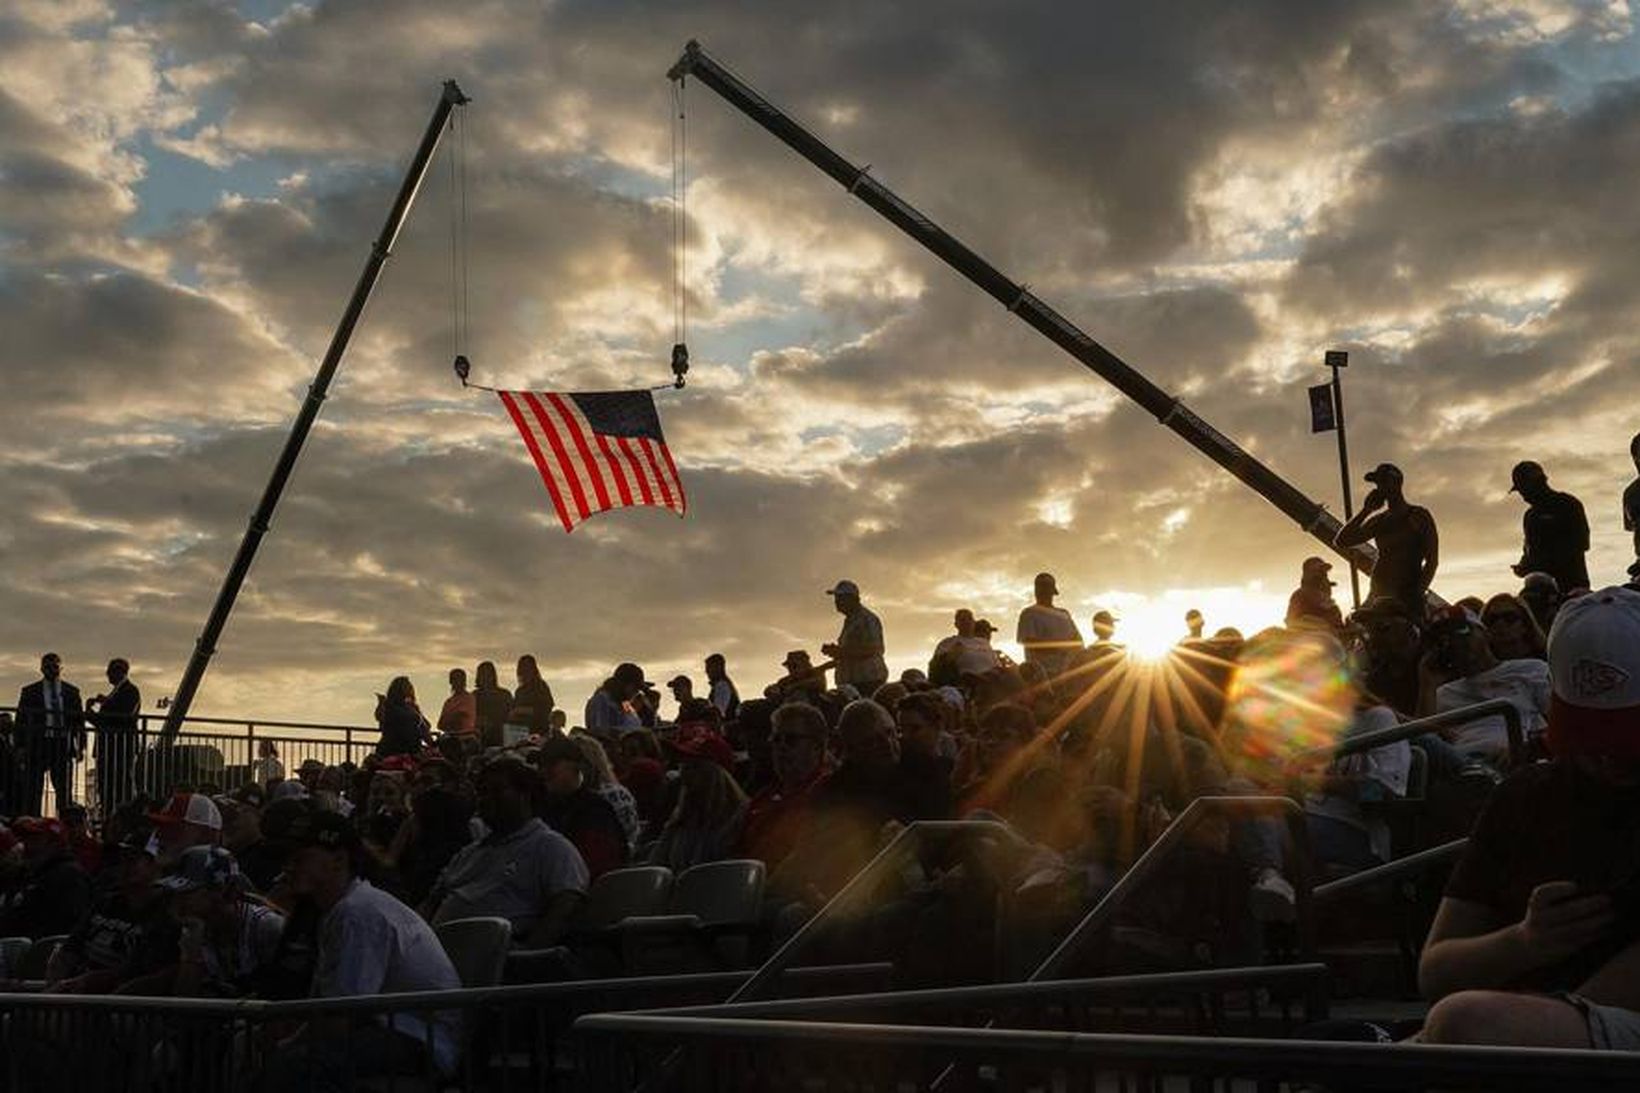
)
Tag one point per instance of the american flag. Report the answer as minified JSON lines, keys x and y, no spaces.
{"x":597,"y":451}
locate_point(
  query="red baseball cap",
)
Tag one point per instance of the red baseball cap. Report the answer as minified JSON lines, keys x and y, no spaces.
{"x":697,"y":741}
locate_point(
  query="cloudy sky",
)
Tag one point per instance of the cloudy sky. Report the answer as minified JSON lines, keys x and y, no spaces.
{"x":1218,"y":192}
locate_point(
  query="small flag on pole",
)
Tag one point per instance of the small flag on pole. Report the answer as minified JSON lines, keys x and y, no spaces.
{"x":597,"y":451}
{"x":1322,"y":417}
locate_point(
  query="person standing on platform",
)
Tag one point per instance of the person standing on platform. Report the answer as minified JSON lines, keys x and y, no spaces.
{"x":1408,"y":544}
{"x":493,"y":702}
{"x":114,"y":715}
{"x":1555,"y":530}
{"x":459,"y":717}
{"x":1631,"y":505}
{"x":1047,"y":633}
{"x":50,"y":734}
{"x":720,"y":688}
{"x":859,"y":647}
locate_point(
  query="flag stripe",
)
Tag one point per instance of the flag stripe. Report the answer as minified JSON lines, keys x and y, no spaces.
{"x":637,"y":465}
{"x":585,"y":450}
{"x":649,"y":455}
{"x":570,"y":477}
{"x":614,"y":463}
{"x":540,"y":458}
{"x":672,"y":469}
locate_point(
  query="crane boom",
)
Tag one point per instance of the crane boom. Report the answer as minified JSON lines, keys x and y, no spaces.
{"x":1310,"y":515}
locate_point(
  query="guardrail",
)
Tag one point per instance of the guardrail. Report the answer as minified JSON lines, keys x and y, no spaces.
{"x":746,"y":1056}
{"x":210,"y":751}
{"x":1407,"y":730}
{"x":513,"y":1037}
{"x":1263,"y":1000}
{"x":1103,"y":913}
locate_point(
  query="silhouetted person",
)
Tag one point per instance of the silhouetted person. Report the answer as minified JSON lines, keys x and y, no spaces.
{"x":802,"y":682}
{"x":1541,"y":595}
{"x":459,"y":717}
{"x":404,"y":729}
{"x":720,"y":689}
{"x":1408,"y":544}
{"x":1104,"y":628}
{"x":1631,"y":505}
{"x":115,"y":717}
{"x":858,"y":649}
{"x":611,"y":705}
{"x":1312,"y":605}
{"x":1554,"y":527}
{"x":1194,"y":624}
{"x":682,"y":688}
{"x":493,"y":701}
{"x":50,"y":734}
{"x":1047,"y":633}
{"x":532,"y":702}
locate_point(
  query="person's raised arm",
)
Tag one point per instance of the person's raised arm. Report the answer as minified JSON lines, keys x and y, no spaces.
{"x":1357,"y":530}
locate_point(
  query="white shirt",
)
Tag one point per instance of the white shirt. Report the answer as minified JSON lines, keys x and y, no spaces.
{"x":1049,"y":636}
{"x":1525,"y":683}
{"x":370,"y":943}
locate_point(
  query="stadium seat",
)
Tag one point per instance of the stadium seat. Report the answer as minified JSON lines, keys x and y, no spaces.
{"x":715,"y":910}
{"x":477,"y":947}
{"x":32,"y":964}
{"x":622,"y":893}
{"x":11,"y":951}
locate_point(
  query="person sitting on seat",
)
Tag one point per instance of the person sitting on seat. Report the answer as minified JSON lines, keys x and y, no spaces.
{"x":1537,"y":941}
{"x":522,"y":871}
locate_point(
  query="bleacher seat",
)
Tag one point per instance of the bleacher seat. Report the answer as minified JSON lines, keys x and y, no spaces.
{"x":623,"y":893}
{"x":11,"y":951}
{"x":477,"y":947}
{"x":714,"y":911}
{"x":32,"y":963}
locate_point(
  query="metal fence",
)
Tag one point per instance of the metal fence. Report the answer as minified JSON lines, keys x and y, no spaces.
{"x":210,"y":752}
{"x":630,"y":1051}
{"x":494,"y":1039}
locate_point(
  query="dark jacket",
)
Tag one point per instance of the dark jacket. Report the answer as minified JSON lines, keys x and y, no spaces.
{"x":55,"y":897}
{"x":404,"y":730}
{"x":118,"y":712}
{"x":31,"y":716}
{"x":1557,"y":537}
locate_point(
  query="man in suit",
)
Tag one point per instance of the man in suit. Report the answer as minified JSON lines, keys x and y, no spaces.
{"x":115,"y":717}
{"x":50,"y":733}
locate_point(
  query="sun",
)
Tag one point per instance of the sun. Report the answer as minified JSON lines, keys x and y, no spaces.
{"x":1150,"y":630}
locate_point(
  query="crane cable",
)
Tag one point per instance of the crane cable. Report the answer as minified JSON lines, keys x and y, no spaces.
{"x":680,"y":235}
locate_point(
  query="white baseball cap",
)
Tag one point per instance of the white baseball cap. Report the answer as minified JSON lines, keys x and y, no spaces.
{"x":1594,"y":667}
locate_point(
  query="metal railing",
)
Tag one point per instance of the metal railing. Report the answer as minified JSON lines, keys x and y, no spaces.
{"x":1252,"y":1001}
{"x":214,"y":752}
{"x":1407,"y":730}
{"x":1103,"y":914}
{"x":745,"y":1055}
{"x":909,"y":843}
{"x":500,"y":1038}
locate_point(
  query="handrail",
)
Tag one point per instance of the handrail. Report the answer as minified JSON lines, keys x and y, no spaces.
{"x":1416,"y":1066}
{"x":248,"y":723}
{"x":511,"y":994}
{"x":1141,"y":870}
{"x":893,"y":855}
{"x":1125,"y":987}
{"x":1409,"y":863}
{"x":1406,"y":730}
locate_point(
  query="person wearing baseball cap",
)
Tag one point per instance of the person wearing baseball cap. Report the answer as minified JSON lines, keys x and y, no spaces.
{"x":56,"y":892}
{"x":1554,"y":529}
{"x":188,"y":819}
{"x":1405,"y":535}
{"x":682,"y":688}
{"x":129,"y":933}
{"x":573,"y":807}
{"x":1311,"y":606}
{"x":226,"y":937}
{"x":1047,"y":633}
{"x":1544,"y":898}
{"x":803,"y":682}
{"x":706,"y":823}
{"x":859,"y":647}
{"x":612,"y":705}
{"x":369,"y":944}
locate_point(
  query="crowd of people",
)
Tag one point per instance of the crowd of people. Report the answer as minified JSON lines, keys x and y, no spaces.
{"x":332,"y":881}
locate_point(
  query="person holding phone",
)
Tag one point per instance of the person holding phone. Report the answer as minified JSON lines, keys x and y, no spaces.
{"x":1537,"y":939}
{"x":1408,"y":545}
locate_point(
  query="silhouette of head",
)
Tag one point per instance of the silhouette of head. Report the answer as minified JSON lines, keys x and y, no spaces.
{"x":964,"y":622}
{"x":1046,"y":588}
{"x":1389,"y":480}
{"x":51,"y":665}
{"x":1529,"y":480}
